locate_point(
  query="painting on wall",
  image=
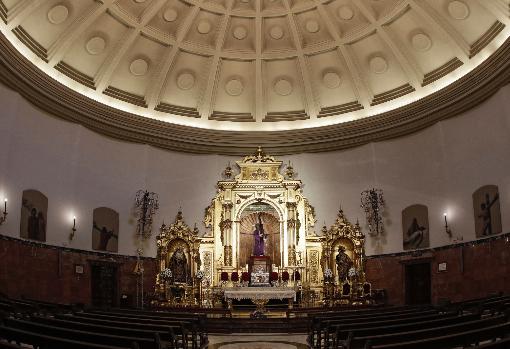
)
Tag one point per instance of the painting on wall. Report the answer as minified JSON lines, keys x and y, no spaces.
{"x":487,"y":211}
{"x":415,"y":227}
{"x":105,"y":230}
{"x":34,"y":213}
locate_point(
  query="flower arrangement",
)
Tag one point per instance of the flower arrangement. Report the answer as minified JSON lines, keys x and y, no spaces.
{"x":328,"y":273}
{"x":245,"y":276}
{"x":285,"y":276}
{"x":165,"y":274}
{"x":273,"y":276}
{"x":352,"y":272}
{"x":200,"y":274}
{"x":297,"y":276}
{"x":224,"y":276}
{"x":234,"y":277}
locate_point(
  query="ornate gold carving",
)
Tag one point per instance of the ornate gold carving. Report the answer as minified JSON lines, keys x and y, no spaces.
{"x":343,"y":233}
{"x":233,"y":202}
{"x":177,"y":236}
{"x":208,"y":216}
{"x":259,"y":156}
{"x":207,"y":257}
{"x":314,"y":267}
{"x":227,"y":255}
{"x":259,"y":175}
{"x":292,"y":255}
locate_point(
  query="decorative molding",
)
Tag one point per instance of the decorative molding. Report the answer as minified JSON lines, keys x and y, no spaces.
{"x":69,"y":249}
{"x":427,"y":251}
{"x":47,"y":94}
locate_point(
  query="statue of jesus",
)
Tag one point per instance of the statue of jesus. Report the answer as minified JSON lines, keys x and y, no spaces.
{"x":258,"y":238}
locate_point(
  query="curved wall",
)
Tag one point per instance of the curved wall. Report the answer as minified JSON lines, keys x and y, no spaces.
{"x":79,"y":170}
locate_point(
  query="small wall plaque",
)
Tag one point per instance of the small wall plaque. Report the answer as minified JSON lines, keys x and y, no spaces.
{"x":79,"y":269}
{"x":441,"y":266}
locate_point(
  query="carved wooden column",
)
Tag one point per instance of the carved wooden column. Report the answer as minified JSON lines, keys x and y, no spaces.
{"x":291,"y":231}
{"x":226,"y":229}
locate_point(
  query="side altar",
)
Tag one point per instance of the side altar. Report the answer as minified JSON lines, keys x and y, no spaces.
{"x":260,"y":239}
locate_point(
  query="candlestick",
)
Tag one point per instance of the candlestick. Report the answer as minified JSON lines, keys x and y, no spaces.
{"x":73,"y":229}
{"x":447,"y":229}
{"x":4,"y":216}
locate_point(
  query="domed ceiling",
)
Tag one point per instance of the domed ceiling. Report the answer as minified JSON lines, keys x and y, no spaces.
{"x":202,"y":75}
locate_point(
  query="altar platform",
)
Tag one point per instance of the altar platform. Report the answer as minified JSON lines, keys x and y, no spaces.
{"x":260,"y":296}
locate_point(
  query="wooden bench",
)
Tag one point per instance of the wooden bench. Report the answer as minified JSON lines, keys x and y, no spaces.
{"x":422,"y":334}
{"x":450,"y":340}
{"x":6,"y":345}
{"x":341,"y":333}
{"x":84,"y":336}
{"x":46,"y":341}
{"x":197,"y":334}
{"x":498,"y":344}
{"x":176,"y":329}
{"x":322,"y":328}
{"x":167,"y":335}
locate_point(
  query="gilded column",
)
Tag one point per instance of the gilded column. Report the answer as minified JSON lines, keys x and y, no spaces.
{"x":226,"y":228}
{"x":291,"y":231}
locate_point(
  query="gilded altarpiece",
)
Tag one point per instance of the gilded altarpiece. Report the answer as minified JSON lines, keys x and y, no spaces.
{"x":178,"y":250}
{"x":262,"y":191}
{"x":343,"y":235}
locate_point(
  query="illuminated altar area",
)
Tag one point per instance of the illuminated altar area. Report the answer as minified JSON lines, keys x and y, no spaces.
{"x":260,"y":233}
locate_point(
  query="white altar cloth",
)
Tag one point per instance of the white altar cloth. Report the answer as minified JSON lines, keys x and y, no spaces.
{"x":259,"y":293}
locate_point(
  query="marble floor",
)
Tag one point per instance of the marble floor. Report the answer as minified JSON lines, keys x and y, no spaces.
{"x":258,"y":341}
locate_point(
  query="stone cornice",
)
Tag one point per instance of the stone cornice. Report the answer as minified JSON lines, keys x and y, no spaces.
{"x":56,"y":99}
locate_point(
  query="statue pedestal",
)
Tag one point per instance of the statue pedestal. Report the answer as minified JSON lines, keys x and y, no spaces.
{"x":259,"y":264}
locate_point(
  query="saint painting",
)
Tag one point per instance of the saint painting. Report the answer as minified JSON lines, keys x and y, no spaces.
{"x":415,"y":227}
{"x":34,"y":213}
{"x":487,"y":211}
{"x":105,"y":229}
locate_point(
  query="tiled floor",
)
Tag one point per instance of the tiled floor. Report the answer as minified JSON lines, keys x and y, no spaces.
{"x":258,"y":341}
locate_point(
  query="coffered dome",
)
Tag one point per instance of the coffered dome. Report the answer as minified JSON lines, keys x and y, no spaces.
{"x":292,"y":75}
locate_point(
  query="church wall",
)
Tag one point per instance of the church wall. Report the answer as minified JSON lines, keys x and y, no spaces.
{"x":47,"y":273}
{"x":79,"y":170}
{"x":473,"y":270}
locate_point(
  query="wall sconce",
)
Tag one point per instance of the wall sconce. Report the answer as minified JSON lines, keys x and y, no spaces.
{"x":73,"y":229}
{"x":4,"y":214}
{"x":446,"y":227}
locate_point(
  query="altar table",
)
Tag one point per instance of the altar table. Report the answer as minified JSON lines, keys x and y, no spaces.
{"x":259,"y":295}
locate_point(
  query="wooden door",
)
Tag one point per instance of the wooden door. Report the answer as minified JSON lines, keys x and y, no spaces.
{"x":417,"y":283}
{"x":104,"y":285}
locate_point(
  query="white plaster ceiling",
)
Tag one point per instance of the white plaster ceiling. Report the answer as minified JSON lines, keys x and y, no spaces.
{"x":256,"y":64}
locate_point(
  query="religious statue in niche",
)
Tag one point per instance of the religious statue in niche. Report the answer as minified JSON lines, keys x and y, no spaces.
{"x":415,"y":227}
{"x":179,"y":266}
{"x":259,"y":237}
{"x":105,"y":229}
{"x":259,"y":234}
{"x":487,"y":211}
{"x":34,"y":210}
{"x":343,"y":264}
